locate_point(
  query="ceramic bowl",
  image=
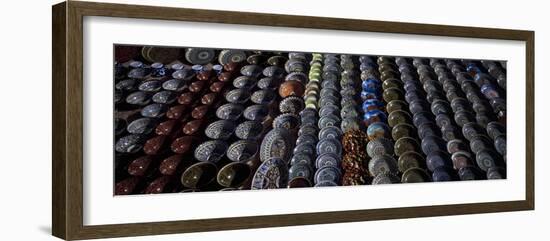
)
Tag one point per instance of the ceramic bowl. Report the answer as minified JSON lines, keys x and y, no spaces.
{"x":438,"y":159}
{"x":234,"y":174}
{"x":329,"y":110}
{"x":231,"y":56}
{"x":298,"y":182}
{"x":174,"y":85}
{"x":244,"y":82}
{"x":276,"y":143}
{"x":308,"y":129}
{"x":150,"y":86}
{"x":393,"y":93}
{"x":256,"y":112}
{"x":461,"y":159}
{"x":271,"y":174}
{"x":405,"y":144}
{"x":165,"y":97}
{"x":139,"y":98}
{"x":374,"y":116}
{"x":377,"y":130}
{"x":242,"y":150}
{"x":403,"y":130}
{"x":399,"y":117}
{"x":221,"y":129}
{"x":142,"y":126}
{"x":306,"y":144}
{"x":297,"y":76}
{"x":328,"y":120}
{"x":130,"y":143}
{"x":126,"y":85}
{"x":496,"y":173}
{"x":379,"y":146}
{"x":480,"y":142}
{"x":486,"y":159}
{"x":441,"y":107}
{"x":276,"y":60}
{"x":199,"y":175}
{"x":268,"y":83}
{"x":410,"y":159}
{"x":256,"y":59}
{"x":263,"y":97}
{"x":468,"y":173}
{"x":495,"y":129}
{"x":237,"y":96}
{"x":249,"y":130}
{"x":291,"y":104}
{"x":300,"y":170}
{"x":301,"y":158}
{"x":139,"y":73}
{"x":471,"y":129}
{"x":432,"y":143}
{"x":291,"y":87}
{"x":306,"y":139}
{"x":442,"y":174}
{"x":415,"y":175}
{"x":375,"y":104}
{"x":327,"y":159}
{"x":251,"y":70}
{"x":229,"y":111}
{"x":330,"y":132}
{"x":288,"y":121}
{"x":329,"y":100}
{"x":348,"y":124}
{"x":199,"y":55}
{"x":274,"y":71}
{"x":329,"y":146}
{"x":154,"y":110}
{"x":382,"y":164}
{"x":211,"y":151}
{"x":385,"y":178}
{"x":396,"y":105}
{"x":443,"y":120}
{"x":183,"y":74}
{"x":328,"y":173}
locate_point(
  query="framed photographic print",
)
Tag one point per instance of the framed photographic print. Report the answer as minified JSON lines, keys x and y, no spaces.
{"x":170,"y":120}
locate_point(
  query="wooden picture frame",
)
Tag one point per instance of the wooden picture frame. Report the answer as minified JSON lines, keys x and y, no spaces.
{"x":67,"y":76}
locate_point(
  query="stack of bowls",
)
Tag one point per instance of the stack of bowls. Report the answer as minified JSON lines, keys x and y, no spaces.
{"x":497,"y":70}
{"x":234,"y":119}
{"x":485,"y":104}
{"x":162,"y":123}
{"x":277,"y":145}
{"x":211,"y":154}
{"x":329,"y":147}
{"x":382,"y":165}
{"x":355,"y":138}
{"x":428,"y":101}
{"x":401,"y":81}
{"x":302,"y":166}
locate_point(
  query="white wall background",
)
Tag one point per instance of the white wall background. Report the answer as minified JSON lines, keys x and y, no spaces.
{"x":25,"y":140}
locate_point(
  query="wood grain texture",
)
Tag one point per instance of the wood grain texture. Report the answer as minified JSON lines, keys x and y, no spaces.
{"x":59,"y":192}
{"x":74,"y":103}
{"x":67,"y":76}
{"x":530,"y":120}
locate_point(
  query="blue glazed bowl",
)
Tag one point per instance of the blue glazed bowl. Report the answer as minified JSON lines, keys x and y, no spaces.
{"x":372,"y":104}
{"x":366,"y":95}
{"x":371,"y":85}
{"x":374,"y":116}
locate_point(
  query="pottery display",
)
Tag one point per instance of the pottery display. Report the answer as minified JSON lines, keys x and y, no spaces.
{"x":203,"y":119}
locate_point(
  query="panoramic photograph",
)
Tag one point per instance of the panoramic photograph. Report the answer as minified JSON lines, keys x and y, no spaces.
{"x":195,"y":119}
